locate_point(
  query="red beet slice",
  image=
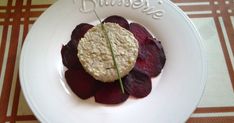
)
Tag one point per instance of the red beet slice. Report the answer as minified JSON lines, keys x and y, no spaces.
{"x":70,"y":58}
{"x":137,"y":84}
{"x":149,"y":58}
{"x":119,"y":20}
{"x":139,"y":32}
{"x":161,"y":51}
{"x":81,"y":83}
{"x":69,"y":51}
{"x":73,"y":45}
{"x":110,"y":93}
{"x":79,"y":32}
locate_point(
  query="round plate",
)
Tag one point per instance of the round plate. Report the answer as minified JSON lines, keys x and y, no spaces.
{"x":174,"y":95}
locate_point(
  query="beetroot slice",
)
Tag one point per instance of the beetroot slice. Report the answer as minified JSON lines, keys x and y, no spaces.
{"x":148,"y":59}
{"x":137,"y":84}
{"x":81,"y":83}
{"x":139,"y":32}
{"x":73,"y":45}
{"x":69,"y":51}
{"x":110,"y":93}
{"x":119,"y":20}
{"x":161,"y":51}
{"x":70,"y":58}
{"x":79,"y":32}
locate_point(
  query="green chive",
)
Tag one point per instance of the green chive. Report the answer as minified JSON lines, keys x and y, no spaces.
{"x":112,"y":53}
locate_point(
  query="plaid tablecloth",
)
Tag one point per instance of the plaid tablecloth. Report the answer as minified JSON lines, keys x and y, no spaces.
{"x":213,"y":18}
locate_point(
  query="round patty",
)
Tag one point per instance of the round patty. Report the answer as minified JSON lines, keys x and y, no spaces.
{"x":95,"y":55}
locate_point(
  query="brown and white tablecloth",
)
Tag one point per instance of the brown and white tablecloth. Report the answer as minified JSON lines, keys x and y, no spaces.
{"x":213,"y":18}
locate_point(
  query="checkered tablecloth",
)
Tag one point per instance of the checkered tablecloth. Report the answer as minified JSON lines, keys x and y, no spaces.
{"x":213,"y":18}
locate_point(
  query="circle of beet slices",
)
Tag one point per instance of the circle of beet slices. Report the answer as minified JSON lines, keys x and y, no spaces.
{"x":150,"y":61}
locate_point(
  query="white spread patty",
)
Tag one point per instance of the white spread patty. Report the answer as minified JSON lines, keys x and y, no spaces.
{"x":95,"y":55}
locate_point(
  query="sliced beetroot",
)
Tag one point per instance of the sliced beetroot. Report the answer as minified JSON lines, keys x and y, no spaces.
{"x":73,"y":44}
{"x":162,"y":54}
{"x":70,"y":58}
{"x":137,"y":84}
{"x":161,"y":51}
{"x":110,"y":93}
{"x":140,"y":32}
{"x":81,"y":83}
{"x":148,"y":59}
{"x":119,"y":20}
{"x":79,"y":32}
{"x":143,"y":37}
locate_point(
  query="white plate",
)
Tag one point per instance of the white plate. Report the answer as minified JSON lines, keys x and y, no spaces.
{"x":174,"y":95}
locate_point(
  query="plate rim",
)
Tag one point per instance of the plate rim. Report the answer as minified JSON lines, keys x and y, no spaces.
{"x":203,"y":52}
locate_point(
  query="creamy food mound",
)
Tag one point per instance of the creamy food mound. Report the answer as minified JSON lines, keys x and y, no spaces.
{"x":95,"y":55}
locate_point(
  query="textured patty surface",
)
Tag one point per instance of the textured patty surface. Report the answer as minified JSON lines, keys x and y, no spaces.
{"x":95,"y":55}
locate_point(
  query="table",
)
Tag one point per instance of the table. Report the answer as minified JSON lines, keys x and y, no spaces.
{"x":213,"y":18}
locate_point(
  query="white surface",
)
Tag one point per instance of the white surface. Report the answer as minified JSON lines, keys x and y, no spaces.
{"x":218,"y":92}
{"x":172,"y":100}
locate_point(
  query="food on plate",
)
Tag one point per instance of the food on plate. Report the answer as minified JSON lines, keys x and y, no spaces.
{"x":91,"y":71}
{"x":137,"y":83}
{"x":95,"y":56}
{"x":139,"y":32}
{"x":149,"y":58}
{"x":81,"y":83}
{"x":110,"y":93}
{"x":119,"y":20}
{"x":69,"y":51}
